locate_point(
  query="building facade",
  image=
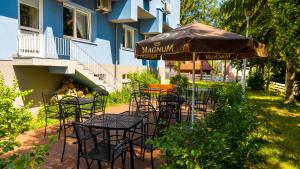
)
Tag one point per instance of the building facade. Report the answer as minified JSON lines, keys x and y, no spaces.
{"x":91,"y":41}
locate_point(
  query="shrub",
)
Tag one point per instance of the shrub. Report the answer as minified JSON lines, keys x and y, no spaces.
{"x":180,"y":81}
{"x":229,"y":94}
{"x":141,"y":80}
{"x":119,"y":96}
{"x":256,"y":81}
{"x":223,"y":140}
{"x":13,"y":121}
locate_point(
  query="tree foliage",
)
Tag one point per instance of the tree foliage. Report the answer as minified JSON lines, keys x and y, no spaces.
{"x":273,"y":22}
{"x":203,"y":11}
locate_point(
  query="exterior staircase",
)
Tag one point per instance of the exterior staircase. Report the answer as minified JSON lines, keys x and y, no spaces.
{"x":63,"y":56}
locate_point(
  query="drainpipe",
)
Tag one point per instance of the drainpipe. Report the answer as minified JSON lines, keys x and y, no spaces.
{"x":117,"y":54}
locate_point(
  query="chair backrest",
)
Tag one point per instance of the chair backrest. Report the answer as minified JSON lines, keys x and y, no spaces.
{"x":90,"y":137}
{"x":203,"y":95}
{"x":138,"y":98}
{"x":87,"y":137}
{"x":50,"y":101}
{"x":164,"y":118}
{"x":167,"y":97}
{"x":69,"y":106}
{"x":100,"y":99}
{"x":145,"y":109}
{"x":49,"y":98}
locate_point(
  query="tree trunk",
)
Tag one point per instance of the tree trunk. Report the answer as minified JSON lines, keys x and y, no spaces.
{"x":290,"y":81}
{"x":224,"y":77}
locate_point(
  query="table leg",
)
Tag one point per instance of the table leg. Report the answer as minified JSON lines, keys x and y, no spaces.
{"x":131,"y":155}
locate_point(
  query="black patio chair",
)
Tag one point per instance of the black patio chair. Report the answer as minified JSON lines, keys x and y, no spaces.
{"x":138,"y":98}
{"x":100,"y":97}
{"x":70,"y":112}
{"x":95,"y":144}
{"x":201,"y":102}
{"x":152,"y":130}
{"x":51,"y":107}
{"x":169,"y":97}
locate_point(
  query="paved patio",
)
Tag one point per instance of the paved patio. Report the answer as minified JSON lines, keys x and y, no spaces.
{"x":29,"y":138}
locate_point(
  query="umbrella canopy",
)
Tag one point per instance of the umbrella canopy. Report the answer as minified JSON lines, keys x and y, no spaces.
{"x":207,"y":42}
{"x":197,"y":41}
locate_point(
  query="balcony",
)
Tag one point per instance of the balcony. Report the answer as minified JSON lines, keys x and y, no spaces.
{"x":62,"y":55}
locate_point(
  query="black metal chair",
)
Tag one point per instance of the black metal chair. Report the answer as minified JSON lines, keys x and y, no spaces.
{"x":51,"y":107}
{"x":96,"y":144}
{"x":152,"y":130}
{"x":201,"y":102}
{"x":100,"y":97}
{"x":70,"y":112}
{"x":170,"y":98}
{"x":138,"y":98}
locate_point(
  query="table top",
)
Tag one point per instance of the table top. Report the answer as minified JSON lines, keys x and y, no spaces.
{"x":81,"y":101}
{"x":114,"y":121}
{"x":171,"y":98}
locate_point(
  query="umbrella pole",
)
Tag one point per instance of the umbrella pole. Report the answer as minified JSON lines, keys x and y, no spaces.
{"x":193,"y":88}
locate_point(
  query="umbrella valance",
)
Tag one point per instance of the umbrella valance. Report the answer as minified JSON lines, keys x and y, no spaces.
{"x":207,"y":42}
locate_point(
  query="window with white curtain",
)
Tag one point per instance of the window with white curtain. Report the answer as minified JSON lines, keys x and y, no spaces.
{"x":76,"y":23}
{"x":29,"y":14}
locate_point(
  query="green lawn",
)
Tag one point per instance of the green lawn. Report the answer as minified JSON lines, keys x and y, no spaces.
{"x":281,"y":142}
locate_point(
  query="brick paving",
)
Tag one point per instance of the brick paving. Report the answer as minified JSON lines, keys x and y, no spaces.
{"x":29,"y":138}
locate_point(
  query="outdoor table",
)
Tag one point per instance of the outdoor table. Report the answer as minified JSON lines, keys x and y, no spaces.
{"x":81,"y":101}
{"x":116,"y":122}
{"x":175,"y":100}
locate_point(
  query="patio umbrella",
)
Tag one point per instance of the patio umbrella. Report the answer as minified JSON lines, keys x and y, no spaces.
{"x":197,"y":41}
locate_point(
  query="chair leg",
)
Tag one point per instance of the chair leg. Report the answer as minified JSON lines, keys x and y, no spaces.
{"x":78,"y":159}
{"x":123,"y":160}
{"x":152,"y":165}
{"x":45,"y":126}
{"x":64,"y":147}
{"x":112,"y":165}
{"x":99,"y":164}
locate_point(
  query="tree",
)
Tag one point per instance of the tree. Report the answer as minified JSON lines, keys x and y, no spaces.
{"x":275,"y":23}
{"x":203,"y":11}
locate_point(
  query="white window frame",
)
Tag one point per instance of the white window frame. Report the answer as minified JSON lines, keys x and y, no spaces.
{"x":41,"y":21}
{"x":132,"y":32}
{"x":81,"y":11}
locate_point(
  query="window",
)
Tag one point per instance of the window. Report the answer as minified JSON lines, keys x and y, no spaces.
{"x":76,"y":23}
{"x":29,"y":14}
{"x":128,"y":37}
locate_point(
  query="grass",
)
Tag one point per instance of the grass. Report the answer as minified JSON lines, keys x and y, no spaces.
{"x":280,"y":125}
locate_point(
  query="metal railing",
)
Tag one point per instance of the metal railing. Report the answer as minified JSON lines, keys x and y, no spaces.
{"x":39,"y":45}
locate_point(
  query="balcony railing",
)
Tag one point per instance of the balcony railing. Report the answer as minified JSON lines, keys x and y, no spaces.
{"x":42,"y":46}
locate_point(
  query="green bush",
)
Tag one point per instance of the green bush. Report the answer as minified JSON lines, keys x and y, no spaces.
{"x":141,"y":80}
{"x":180,"y":81}
{"x":229,"y":94}
{"x":256,"y":81}
{"x":119,"y":96}
{"x":14,"y":120}
{"x":223,"y":140}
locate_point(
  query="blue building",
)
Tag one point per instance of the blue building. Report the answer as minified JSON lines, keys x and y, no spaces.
{"x":91,"y":41}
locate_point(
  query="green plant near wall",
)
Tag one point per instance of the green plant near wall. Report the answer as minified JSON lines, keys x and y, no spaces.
{"x":141,"y":80}
{"x":14,"y":120}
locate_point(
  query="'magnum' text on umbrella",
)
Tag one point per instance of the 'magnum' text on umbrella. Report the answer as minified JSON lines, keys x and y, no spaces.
{"x":197,"y":41}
